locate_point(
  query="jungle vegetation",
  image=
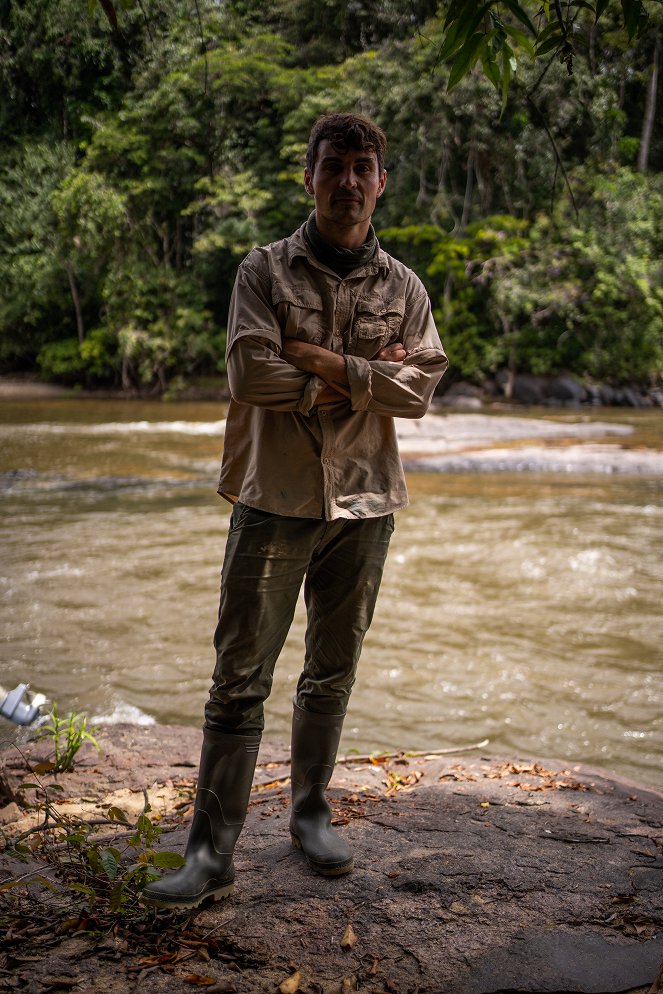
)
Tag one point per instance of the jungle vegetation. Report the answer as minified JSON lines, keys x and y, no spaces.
{"x":147,"y":145}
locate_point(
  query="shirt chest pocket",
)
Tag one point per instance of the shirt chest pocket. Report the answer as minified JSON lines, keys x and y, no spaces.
{"x":377,"y":322}
{"x":299,"y":311}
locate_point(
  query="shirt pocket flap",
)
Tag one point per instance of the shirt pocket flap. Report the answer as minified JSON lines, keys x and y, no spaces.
{"x":297,"y":295}
{"x":376,"y":315}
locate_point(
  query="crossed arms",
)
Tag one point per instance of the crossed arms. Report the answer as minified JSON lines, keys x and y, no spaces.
{"x":265,"y":370}
{"x":330,"y":366}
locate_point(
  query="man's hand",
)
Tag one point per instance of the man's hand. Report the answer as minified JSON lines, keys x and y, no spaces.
{"x":392,"y":353}
{"x":328,"y":396}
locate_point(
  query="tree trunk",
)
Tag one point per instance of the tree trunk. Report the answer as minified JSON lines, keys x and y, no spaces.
{"x":80,"y":328}
{"x":179,"y":244}
{"x":469,"y":188}
{"x":650,"y":111}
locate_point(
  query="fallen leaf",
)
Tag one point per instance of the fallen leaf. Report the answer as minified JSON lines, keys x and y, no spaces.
{"x":43,"y":768}
{"x":199,"y":981}
{"x":484,"y":804}
{"x":291,"y":984}
{"x":349,"y":940}
{"x":349,"y":985}
{"x":373,"y":968}
{"x":155,"y":960}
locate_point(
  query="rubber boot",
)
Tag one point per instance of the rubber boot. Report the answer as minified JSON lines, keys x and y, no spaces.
{"x":315,"y":739}
{"x":227,"y":764}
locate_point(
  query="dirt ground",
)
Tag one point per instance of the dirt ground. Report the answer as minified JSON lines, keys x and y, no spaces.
{"x":474,"y":875}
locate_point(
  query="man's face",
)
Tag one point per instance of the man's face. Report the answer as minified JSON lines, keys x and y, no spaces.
{"x":345,"y":185}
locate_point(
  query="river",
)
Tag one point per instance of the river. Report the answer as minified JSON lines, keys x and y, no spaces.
{"x":522,"y":608}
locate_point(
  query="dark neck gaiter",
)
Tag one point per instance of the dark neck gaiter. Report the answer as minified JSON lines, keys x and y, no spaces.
{"x":341,"y":260}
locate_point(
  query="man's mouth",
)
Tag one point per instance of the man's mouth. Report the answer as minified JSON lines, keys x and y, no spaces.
{"x":347,"y":200}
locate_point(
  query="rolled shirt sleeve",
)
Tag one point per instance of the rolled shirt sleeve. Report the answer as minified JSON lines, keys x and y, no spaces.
{"x":402,"y":390}
{"x":256,"y":373}
{"x":257,"y":376}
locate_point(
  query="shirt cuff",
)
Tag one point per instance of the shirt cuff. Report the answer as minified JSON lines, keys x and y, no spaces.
{"x":358,"y":371}
{"x":312,"y":390}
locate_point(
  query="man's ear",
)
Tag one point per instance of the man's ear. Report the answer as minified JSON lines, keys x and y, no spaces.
{"x":383,"y":182}
{"x":308,"y":185}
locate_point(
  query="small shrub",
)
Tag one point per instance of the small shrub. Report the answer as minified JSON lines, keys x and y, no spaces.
{"x":68,"y":735}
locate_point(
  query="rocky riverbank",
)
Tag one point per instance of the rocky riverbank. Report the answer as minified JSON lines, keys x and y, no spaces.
{"x":465,"y":442}
{"x":474,"y":875}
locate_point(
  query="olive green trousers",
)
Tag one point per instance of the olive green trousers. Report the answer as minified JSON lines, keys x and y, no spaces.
{"x":267,"y":559}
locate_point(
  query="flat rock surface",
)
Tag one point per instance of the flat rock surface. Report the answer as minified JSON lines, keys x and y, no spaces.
{"x":474,"y":875}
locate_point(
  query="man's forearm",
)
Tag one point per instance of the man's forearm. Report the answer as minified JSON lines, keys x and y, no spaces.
{"x":329,"y":366}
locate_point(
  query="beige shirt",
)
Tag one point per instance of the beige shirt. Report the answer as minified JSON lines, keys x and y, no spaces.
{"x":281,"y":453}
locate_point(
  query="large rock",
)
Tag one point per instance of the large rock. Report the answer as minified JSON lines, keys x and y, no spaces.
{"x":474,"y":875}
{"x":568,"y":390}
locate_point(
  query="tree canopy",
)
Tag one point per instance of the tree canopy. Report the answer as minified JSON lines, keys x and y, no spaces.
{"x":147,"y":146}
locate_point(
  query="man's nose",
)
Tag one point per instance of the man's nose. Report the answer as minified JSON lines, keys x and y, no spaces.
{"x":348,"y":178}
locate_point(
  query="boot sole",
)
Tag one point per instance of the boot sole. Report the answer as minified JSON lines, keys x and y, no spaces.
{"x":322,"y":868}
{"x":218,"y":894}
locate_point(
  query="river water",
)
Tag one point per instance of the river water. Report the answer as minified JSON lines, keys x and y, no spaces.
{"x":520,"y":608}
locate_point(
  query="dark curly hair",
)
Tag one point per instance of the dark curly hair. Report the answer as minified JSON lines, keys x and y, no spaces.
{"x":345,"y":131}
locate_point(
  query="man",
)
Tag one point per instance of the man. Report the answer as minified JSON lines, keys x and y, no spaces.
{"x":329,"y":338}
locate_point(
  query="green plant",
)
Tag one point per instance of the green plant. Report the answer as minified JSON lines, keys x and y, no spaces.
{"x":68,"y":736}
{"x":97,"y":880}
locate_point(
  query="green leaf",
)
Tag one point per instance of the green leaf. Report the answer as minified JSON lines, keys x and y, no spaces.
{"x":550,"y":45}
{"x":491,"y":68}
{"x":83,"y":889}
{"x":9,"y":884}
{"x":455,"y":11}
{"x":117,"y":814}
{"x":520,"y":38}
{"x":550,"y":29}
{"x":118,"y":897}
{"x":451,"y":43}
{"x":600,"y":7}
{"x":635,"y":16}
{"x":168,"y":860}
{"x":521,"y":14}
{"x":465,"y":59}
{"x":45,"y":882}
{"x":109,"y":863}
